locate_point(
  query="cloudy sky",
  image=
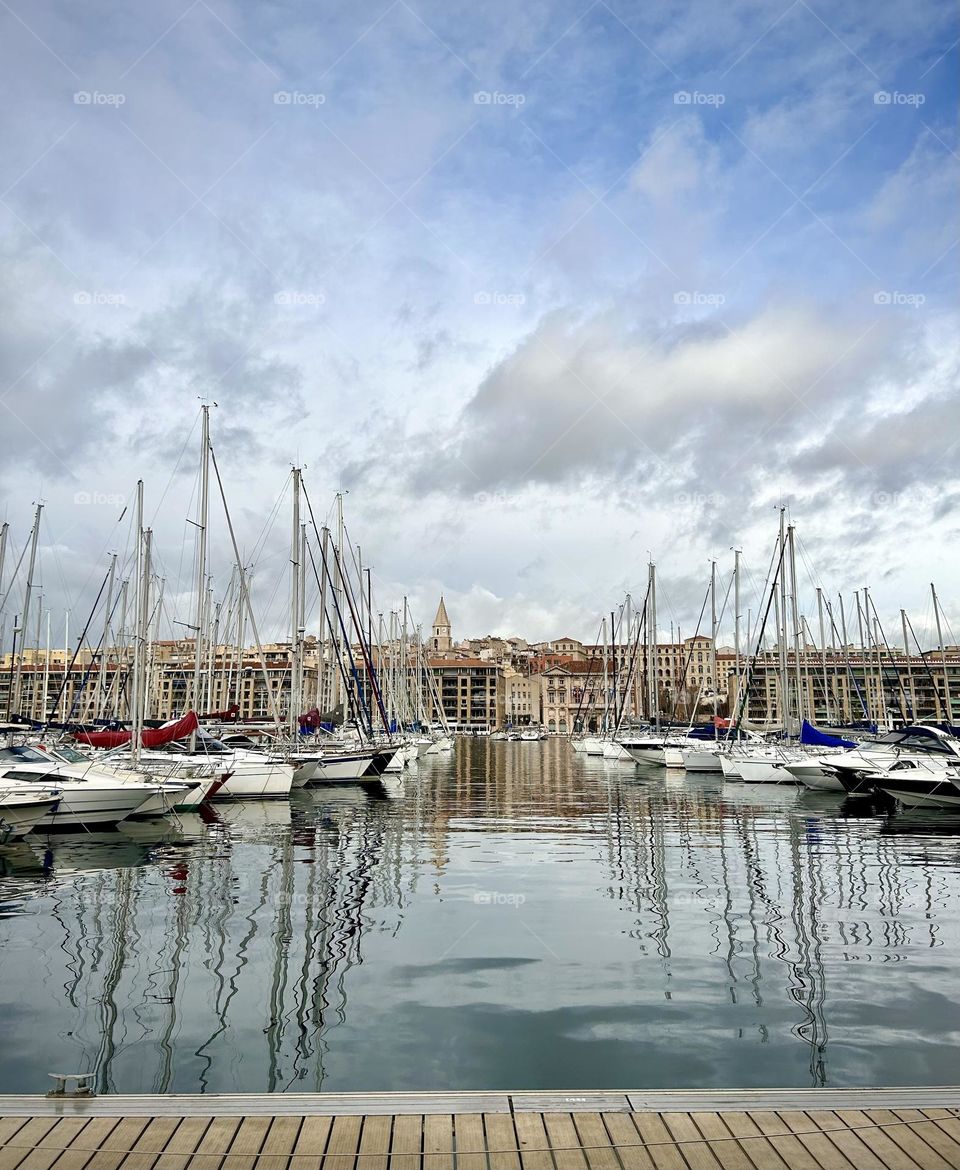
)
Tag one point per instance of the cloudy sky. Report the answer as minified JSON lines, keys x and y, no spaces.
{"x":548,"y":289}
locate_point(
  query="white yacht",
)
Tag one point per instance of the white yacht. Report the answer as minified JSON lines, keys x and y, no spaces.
{"x":88,"y":796}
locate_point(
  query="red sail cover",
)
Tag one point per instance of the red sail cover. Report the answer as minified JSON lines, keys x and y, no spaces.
{"x":150,"y":737}
{"x":231,"y":713}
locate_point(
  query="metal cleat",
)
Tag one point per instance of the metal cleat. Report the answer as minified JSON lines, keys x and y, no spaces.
{"x":81,"y":1087}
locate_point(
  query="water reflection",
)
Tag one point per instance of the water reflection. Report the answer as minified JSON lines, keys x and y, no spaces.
{"x":508,"y":916}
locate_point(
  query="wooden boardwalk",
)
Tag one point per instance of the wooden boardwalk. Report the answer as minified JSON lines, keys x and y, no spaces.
{"x":879,"y":1129}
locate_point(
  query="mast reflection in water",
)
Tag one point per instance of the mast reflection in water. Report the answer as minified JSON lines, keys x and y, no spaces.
{"x":514,"y":917}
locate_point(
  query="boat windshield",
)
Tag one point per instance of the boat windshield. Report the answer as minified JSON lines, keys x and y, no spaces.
{"x":71,"y":755}
{"x":26,"y":754}
{"x":917,"y":739}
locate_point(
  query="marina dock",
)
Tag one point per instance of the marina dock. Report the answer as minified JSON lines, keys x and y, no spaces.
{"x":760,"y":1129}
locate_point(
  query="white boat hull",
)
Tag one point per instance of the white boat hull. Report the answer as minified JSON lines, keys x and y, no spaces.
{"x":20,"y":812}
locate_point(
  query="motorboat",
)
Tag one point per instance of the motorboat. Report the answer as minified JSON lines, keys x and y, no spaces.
{"x":921,"y":784}
{"x":88,"y":796}
{"x":180,"y":789}
{"x":20,"y":810}
{"x":858,"y":770}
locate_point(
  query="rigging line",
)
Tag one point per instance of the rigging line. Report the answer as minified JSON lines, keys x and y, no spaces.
{"x":176,"y":467}
{"x":260,"y":543}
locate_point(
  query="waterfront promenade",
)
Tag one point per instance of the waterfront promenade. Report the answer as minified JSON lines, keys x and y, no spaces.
{"x":759,"y":1129}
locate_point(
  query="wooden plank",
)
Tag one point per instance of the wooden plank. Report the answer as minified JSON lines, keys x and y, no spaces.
{"x":95,"y":1134}
{"x":593,"y":1134}
{"x":948,"y":1124}
{"x":179,"y":1150}
{"x":63,"y":1134}
{"x":279,"y":1143}
{"x":18,"y":1147}
{"x":532,"y":1140}
{"x":374,"y":1139}
{"x":312,"y":1140}
{"x":849,"y":1144}
{"x":342,"y":1145}
{"x":758,"y":1148}
{"x":793,"y":1152}
{"x":819,"y":1145}
{"x":696,"y":1152}
{"x":153,"y":1138}
{"x":9,"y":1126}
{"x":890,"y":1154}
{"x":406,"y":1142}
{"x":470,"y":1140}
{"x":626,"y":1137}
{"x":246,"y":1144}
{"x":437,"y":1141}
{"x":912,"y":1143}
{"x":663,"y":1153}
{"x":501,"y":1141}
{"x":946,"y":1145}
{"x":562,"y":1137}
{"x":728,"y":1150}
{"x":214,"y":1143}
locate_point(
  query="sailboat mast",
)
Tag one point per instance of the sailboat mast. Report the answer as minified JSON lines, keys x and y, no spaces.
{"x":326,"y":696}
{"x":795,"y":619}
{"x":606,"y":675}
{"x":296,"y":655}
{"x":823,"y":653}
{"x":134,"y":699}
{"x":655,"y":698}
{"x":104,"y":641}
{"x":46,"y":674}
{"x":947,"y":697}
{"x":26,"y":608}
{"x":781,"y":606}
{"x":201,"y":556}
{"x":736,"y":625}
{"x":909,"y":658}
{"x":143,"y":622}
{"x":713,"y":640}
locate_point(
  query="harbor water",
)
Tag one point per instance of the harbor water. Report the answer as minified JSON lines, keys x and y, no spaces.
{"x":509,"y":916}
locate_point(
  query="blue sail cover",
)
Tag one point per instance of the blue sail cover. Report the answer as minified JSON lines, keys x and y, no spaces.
{"x":810,"y":734}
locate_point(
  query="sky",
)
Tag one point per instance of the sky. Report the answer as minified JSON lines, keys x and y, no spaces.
{"x":546,"y":290}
